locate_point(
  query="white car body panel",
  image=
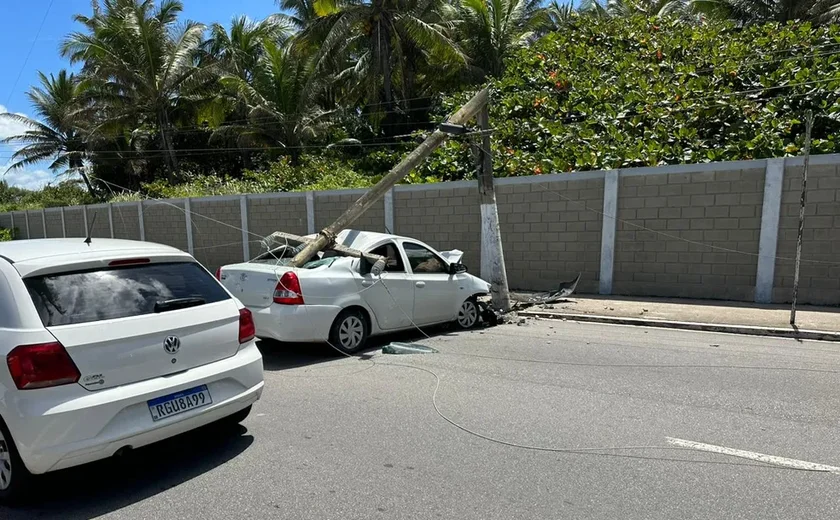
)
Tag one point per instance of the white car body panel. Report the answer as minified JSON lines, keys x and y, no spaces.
{"x":63,"y":426}
{"x":422,"y":299}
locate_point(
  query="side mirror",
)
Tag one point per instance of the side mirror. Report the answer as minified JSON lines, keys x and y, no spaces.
{"x":457,"y":268}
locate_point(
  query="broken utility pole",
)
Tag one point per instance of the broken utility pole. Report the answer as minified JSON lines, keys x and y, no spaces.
{"x":493,"y":265}
{"x":809,"y":123}
{"x":327,"y":236}
{"x":492,"y":252}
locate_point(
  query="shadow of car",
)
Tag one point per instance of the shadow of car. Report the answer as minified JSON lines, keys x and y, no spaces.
{"x":102,"y":487}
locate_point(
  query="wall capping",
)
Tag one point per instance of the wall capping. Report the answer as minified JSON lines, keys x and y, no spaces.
{"x":277,"y":195}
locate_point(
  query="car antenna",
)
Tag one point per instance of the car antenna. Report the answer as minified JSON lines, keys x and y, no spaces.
{"x":90,"y":228}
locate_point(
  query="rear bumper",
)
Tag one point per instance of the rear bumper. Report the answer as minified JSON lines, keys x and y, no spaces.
{"x":295,"y":323}
{"x":89,"y":426}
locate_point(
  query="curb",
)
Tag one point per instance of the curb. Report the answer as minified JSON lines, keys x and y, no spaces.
{"x":813,"y":335}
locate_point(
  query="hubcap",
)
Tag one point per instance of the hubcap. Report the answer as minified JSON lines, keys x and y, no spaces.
{"x":351,"y":332}
{"x":5,"y":464}
{"x":468,"y":314}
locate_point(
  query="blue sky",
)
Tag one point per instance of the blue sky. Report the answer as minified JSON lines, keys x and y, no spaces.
{"x":21,"y":20}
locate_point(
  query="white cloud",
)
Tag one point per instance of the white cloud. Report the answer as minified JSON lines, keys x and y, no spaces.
{"x":9,"y":127}
{"x":28,"y":179}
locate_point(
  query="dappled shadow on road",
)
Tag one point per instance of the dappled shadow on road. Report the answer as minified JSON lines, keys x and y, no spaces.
{"x":286,"y":356}
{"x":102,"y":487}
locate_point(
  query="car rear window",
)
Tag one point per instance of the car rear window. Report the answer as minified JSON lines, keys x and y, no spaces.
{"x":120,"y":292}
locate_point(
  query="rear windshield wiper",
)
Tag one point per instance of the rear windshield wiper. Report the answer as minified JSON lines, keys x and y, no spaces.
{"x":178,"y":303}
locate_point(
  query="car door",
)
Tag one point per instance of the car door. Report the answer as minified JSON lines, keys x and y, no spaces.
{"x":391,"y":295}
{"x":435,"y":290}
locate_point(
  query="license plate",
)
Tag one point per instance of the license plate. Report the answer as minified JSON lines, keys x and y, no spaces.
{"x":173,"y":404}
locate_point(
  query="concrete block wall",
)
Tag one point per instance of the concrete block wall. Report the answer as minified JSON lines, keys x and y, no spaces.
{"x":126,"y":223}
{"x":217,"y":240}
{"x":53,"y":218}
{"x":676,"y":233}
{"x":74,"y":221}
{"x":329,"y":206}
{"x":446,"y":218}
{"x":269,"y":214}
{"x":550,"y":232}
{"x":98,"y":221}
{"x":819,"y":278}
{"x":36,"y":223}
{"x":166,"y":224}
{"x":719,"y":231}
{"x":6,"y":221}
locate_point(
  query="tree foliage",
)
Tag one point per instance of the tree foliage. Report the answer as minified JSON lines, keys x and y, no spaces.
{"x":160,"y":101}
{"x":615,"y":93}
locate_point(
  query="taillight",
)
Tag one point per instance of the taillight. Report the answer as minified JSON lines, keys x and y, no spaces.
{"x":42,"y":365}
{"x":247,"y":329}
{"x":288,"y":290}
{"x":128,"y":261}
{"x":219,"y":274}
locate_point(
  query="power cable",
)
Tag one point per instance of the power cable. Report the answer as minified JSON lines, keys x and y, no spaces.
{"x":29,"y":53}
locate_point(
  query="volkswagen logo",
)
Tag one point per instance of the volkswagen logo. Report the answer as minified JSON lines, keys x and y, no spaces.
{"x":171,"y":345}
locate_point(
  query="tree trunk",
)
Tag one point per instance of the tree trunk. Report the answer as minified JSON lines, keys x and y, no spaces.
{"x":385,"y":56}
{"x":171,"y":162}
{"x":77,"y":164}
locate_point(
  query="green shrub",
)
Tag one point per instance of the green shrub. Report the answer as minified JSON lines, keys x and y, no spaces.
{"x":7,"y":235}
{"x":313,"y":173}
{"x":639,"y":92}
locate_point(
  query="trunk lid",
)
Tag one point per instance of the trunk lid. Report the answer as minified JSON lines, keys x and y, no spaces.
{"x":253,"y":283}
{"x":126,"y":324}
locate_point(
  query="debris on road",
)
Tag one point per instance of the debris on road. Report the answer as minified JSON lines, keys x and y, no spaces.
{"x":407,"y":348}
{"x":546,"y":299}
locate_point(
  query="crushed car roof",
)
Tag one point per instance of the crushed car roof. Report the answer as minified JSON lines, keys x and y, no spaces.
{"x":363,"y":240}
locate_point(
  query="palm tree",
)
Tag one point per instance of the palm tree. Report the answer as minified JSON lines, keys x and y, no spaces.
{"x":141,"y":65}
{"x":303,"y":11}
{"x":378,"y":44}
{"x":492,"y":29}
{"x":238,"y":49}
{"x":626,"y":8}
{"x":560,"y":15}
{"x":781,"y":11}
{"x":280,"y":100}
{"x":59,"y":136}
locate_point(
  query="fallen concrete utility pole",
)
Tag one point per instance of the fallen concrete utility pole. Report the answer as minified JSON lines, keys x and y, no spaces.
{"x":809,"y":123}
{"x":327,"y":236}
{"x":377,"y":262}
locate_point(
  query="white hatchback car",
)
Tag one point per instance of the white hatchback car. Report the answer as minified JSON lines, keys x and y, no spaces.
{"x":110,"y":346}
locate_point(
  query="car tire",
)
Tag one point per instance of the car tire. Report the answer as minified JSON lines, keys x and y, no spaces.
{"x":15,"y":478}
{"x":238,"y":417}
{"x":349,"y":331}
{"x":468,"y":314}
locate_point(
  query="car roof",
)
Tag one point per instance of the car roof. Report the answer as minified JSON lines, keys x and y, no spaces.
{"x":364,"y":240}
{"x":22,"y":251}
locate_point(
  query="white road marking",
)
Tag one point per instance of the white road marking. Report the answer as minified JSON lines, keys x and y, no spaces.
{"x":760,"y":457}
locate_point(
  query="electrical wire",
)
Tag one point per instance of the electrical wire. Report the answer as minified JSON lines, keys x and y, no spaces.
{"x":29,"y":53}
{"x":585,"y":450}
{"x":575,"y":450}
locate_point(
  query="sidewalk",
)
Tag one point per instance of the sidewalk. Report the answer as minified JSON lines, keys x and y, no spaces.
{"x":819,"y":323}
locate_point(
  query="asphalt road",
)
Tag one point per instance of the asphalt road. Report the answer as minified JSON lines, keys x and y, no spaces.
{"x":337,"y":438}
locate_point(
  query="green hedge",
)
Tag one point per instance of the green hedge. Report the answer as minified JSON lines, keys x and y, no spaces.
{"x":6,"y":235}
{"x":639,"y":92}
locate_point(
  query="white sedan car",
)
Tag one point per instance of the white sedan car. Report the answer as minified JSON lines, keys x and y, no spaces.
{"x":111,"y":346}
{"x":337,"y":299}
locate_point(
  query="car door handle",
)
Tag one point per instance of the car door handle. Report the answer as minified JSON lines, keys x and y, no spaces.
{"x":367,"y":283}
{"x":420,"y":285}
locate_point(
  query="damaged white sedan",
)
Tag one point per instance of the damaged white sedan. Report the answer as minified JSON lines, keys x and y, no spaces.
{"x":344,"y":300}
